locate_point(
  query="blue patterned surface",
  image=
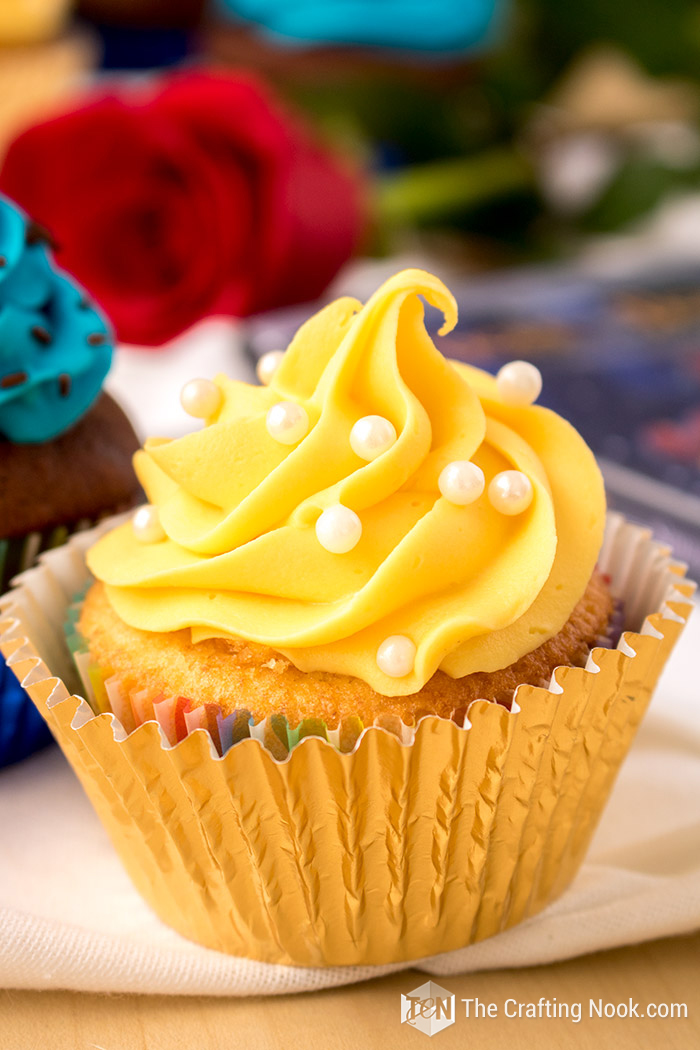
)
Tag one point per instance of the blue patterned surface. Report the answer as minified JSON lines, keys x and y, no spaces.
{"x":22,"y":729}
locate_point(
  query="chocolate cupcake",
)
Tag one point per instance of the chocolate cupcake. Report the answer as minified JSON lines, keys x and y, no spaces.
{"x":65,"y":447}
{"x":52,"y":488}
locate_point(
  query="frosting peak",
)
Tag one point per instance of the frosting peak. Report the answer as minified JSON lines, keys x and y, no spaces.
{"x":471,"y":587}
{"x":55,"y":348}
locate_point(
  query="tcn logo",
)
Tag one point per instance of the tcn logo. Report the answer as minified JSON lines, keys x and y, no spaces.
{"x":429,"y":1008}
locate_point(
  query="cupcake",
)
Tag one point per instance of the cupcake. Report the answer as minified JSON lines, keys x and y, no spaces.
{"x":38,"y":71}
{"x":29,"y":22}
{"x":394,"y":78}
{"x":357,"y":561}
{"x":316,"y":43}
{"x":356,"y":688}
{"x":65,"y":447}
{"x":449,"y":27}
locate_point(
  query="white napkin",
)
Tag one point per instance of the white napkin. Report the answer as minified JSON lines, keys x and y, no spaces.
{"x":71,"y":919}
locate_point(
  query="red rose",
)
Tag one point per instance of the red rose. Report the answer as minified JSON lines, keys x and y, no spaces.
{"x":198,"y":196}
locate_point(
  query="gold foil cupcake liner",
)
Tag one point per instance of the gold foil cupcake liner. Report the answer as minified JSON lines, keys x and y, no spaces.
{"x":398,"y":849}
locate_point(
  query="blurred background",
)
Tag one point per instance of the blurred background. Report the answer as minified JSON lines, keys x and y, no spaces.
{"x":212,"y":169}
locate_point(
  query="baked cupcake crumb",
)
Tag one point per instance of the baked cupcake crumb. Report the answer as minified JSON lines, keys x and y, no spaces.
{"x":241,"y":674}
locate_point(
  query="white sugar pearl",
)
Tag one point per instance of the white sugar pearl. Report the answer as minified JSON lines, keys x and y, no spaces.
{"x":461,"y":482}
{"x":147,"y":526}
{"x":287,"y":422}
{"x":371,"y":436}
{"x":268,"y":365}
{"x":396,"y":656}
{"x":519,"y":383}
{"x":200,"y":398}
{"x":338,"y":529}
{"x":510,"y":492}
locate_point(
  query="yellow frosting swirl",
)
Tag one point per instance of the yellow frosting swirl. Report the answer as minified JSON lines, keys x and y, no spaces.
{"x":474,"y":589}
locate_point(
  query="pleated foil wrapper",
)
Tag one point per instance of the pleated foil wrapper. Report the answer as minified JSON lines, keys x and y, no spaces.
{"x":22,"y":729}
{"x":417,"y":840}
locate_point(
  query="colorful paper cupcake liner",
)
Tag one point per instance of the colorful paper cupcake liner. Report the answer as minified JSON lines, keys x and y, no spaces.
{"x":178,"y":716}
{"x":398,"y":849}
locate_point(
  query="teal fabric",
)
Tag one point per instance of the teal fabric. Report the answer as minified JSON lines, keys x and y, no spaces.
{"x":55,"y":346}
{"x":414,"y":25}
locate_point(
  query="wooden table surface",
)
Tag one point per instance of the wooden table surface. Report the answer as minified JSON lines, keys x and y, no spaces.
{"x":367,"y":1015}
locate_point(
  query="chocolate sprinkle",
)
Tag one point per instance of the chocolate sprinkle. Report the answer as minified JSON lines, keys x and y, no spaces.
{"x":41,"y":334}
{"x":3,"y":261}
{"x":96,"y":338}
{"x":84,"y":303}
{"x":37,"y":234}
{"x":13,"y":379}
{"x":64,"y":384}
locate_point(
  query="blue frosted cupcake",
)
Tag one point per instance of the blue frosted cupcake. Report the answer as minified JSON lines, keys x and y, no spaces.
{"x":442,"y":27}
{"x":65,"y":446}
{"x":392,"y":80}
